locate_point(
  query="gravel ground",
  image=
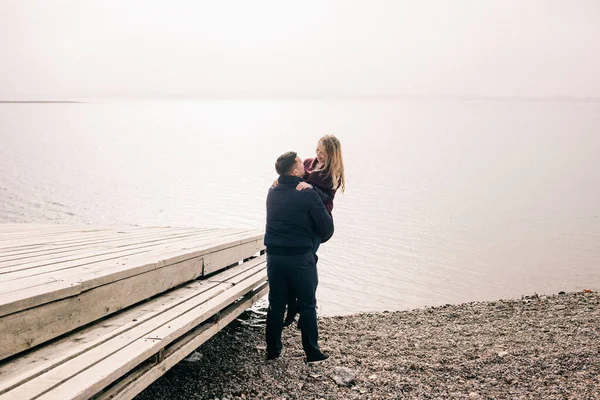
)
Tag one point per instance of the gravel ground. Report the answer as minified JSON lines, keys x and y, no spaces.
{"x":539,"y":347}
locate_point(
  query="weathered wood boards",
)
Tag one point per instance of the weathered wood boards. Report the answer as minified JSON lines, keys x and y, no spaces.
{"x":55,"y":278}
{"x":140,"y":378}
{"x":164,"y":329}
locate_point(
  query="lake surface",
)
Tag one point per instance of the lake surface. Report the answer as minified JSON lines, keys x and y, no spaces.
{"x":447,"y":201}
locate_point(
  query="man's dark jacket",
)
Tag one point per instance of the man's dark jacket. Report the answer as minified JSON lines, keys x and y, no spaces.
{"x":294,"y":218}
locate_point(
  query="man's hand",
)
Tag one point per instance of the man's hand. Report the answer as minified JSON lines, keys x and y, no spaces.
{"x":276,"y":183}
{"x":303,"y":185}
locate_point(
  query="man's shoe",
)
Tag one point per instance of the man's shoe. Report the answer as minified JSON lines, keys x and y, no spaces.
{"x":316,"y":359}
{"x":272,"y":356}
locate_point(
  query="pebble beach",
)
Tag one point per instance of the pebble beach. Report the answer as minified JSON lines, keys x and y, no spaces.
{"x":536,"y":347}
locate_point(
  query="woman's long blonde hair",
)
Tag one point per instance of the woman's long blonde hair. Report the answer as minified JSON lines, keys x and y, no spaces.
{"x":335,"y":161}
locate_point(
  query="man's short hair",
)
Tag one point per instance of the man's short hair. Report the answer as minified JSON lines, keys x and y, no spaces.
{"x":285,"y":162}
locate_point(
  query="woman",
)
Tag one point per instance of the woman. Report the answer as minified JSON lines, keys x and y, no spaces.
{"x":325,"y":174}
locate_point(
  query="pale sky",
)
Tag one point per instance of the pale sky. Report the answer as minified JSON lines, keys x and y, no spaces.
{"x":67,"y":48}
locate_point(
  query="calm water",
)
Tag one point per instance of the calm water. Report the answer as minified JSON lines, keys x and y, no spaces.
{"x":447,"y":201}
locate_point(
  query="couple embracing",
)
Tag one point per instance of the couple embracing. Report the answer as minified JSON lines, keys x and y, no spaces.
{"x":299,"y":219}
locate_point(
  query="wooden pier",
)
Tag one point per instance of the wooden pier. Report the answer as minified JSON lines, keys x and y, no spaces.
{"x":103,"y":311}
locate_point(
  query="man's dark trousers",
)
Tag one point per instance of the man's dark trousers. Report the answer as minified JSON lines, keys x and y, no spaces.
{"x":296,"y":273}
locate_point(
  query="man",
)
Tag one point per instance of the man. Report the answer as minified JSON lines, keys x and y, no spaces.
{"x":294,"y":219}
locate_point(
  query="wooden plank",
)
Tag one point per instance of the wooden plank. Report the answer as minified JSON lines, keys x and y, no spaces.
{"x":83,"y":237}
{"x":102,"y":236}
{"x":31,"y":364}
{"x":36,"y":290}
{"x":217,"y":260}
{"x":22,"y":330}
{"x":84,"y":376}
{"x":141,"y":378}
{"x":29,"y":242}
{"x":60,"y":228}
{"x":99,"y":272}
{"x":154,"y":242}
{"x":38,"y":243}
{"x":92,"y":380}
{"x":20,"y":370}
{"x":53,"y":232}
{"x":114,"y":241}
{"x":51,"y":247}
{"x":103,"y":263}
{"x":36,"y":262}
{"x":172,"y":255}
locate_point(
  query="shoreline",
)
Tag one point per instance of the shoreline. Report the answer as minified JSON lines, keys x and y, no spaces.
{"x":537,"y":347}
